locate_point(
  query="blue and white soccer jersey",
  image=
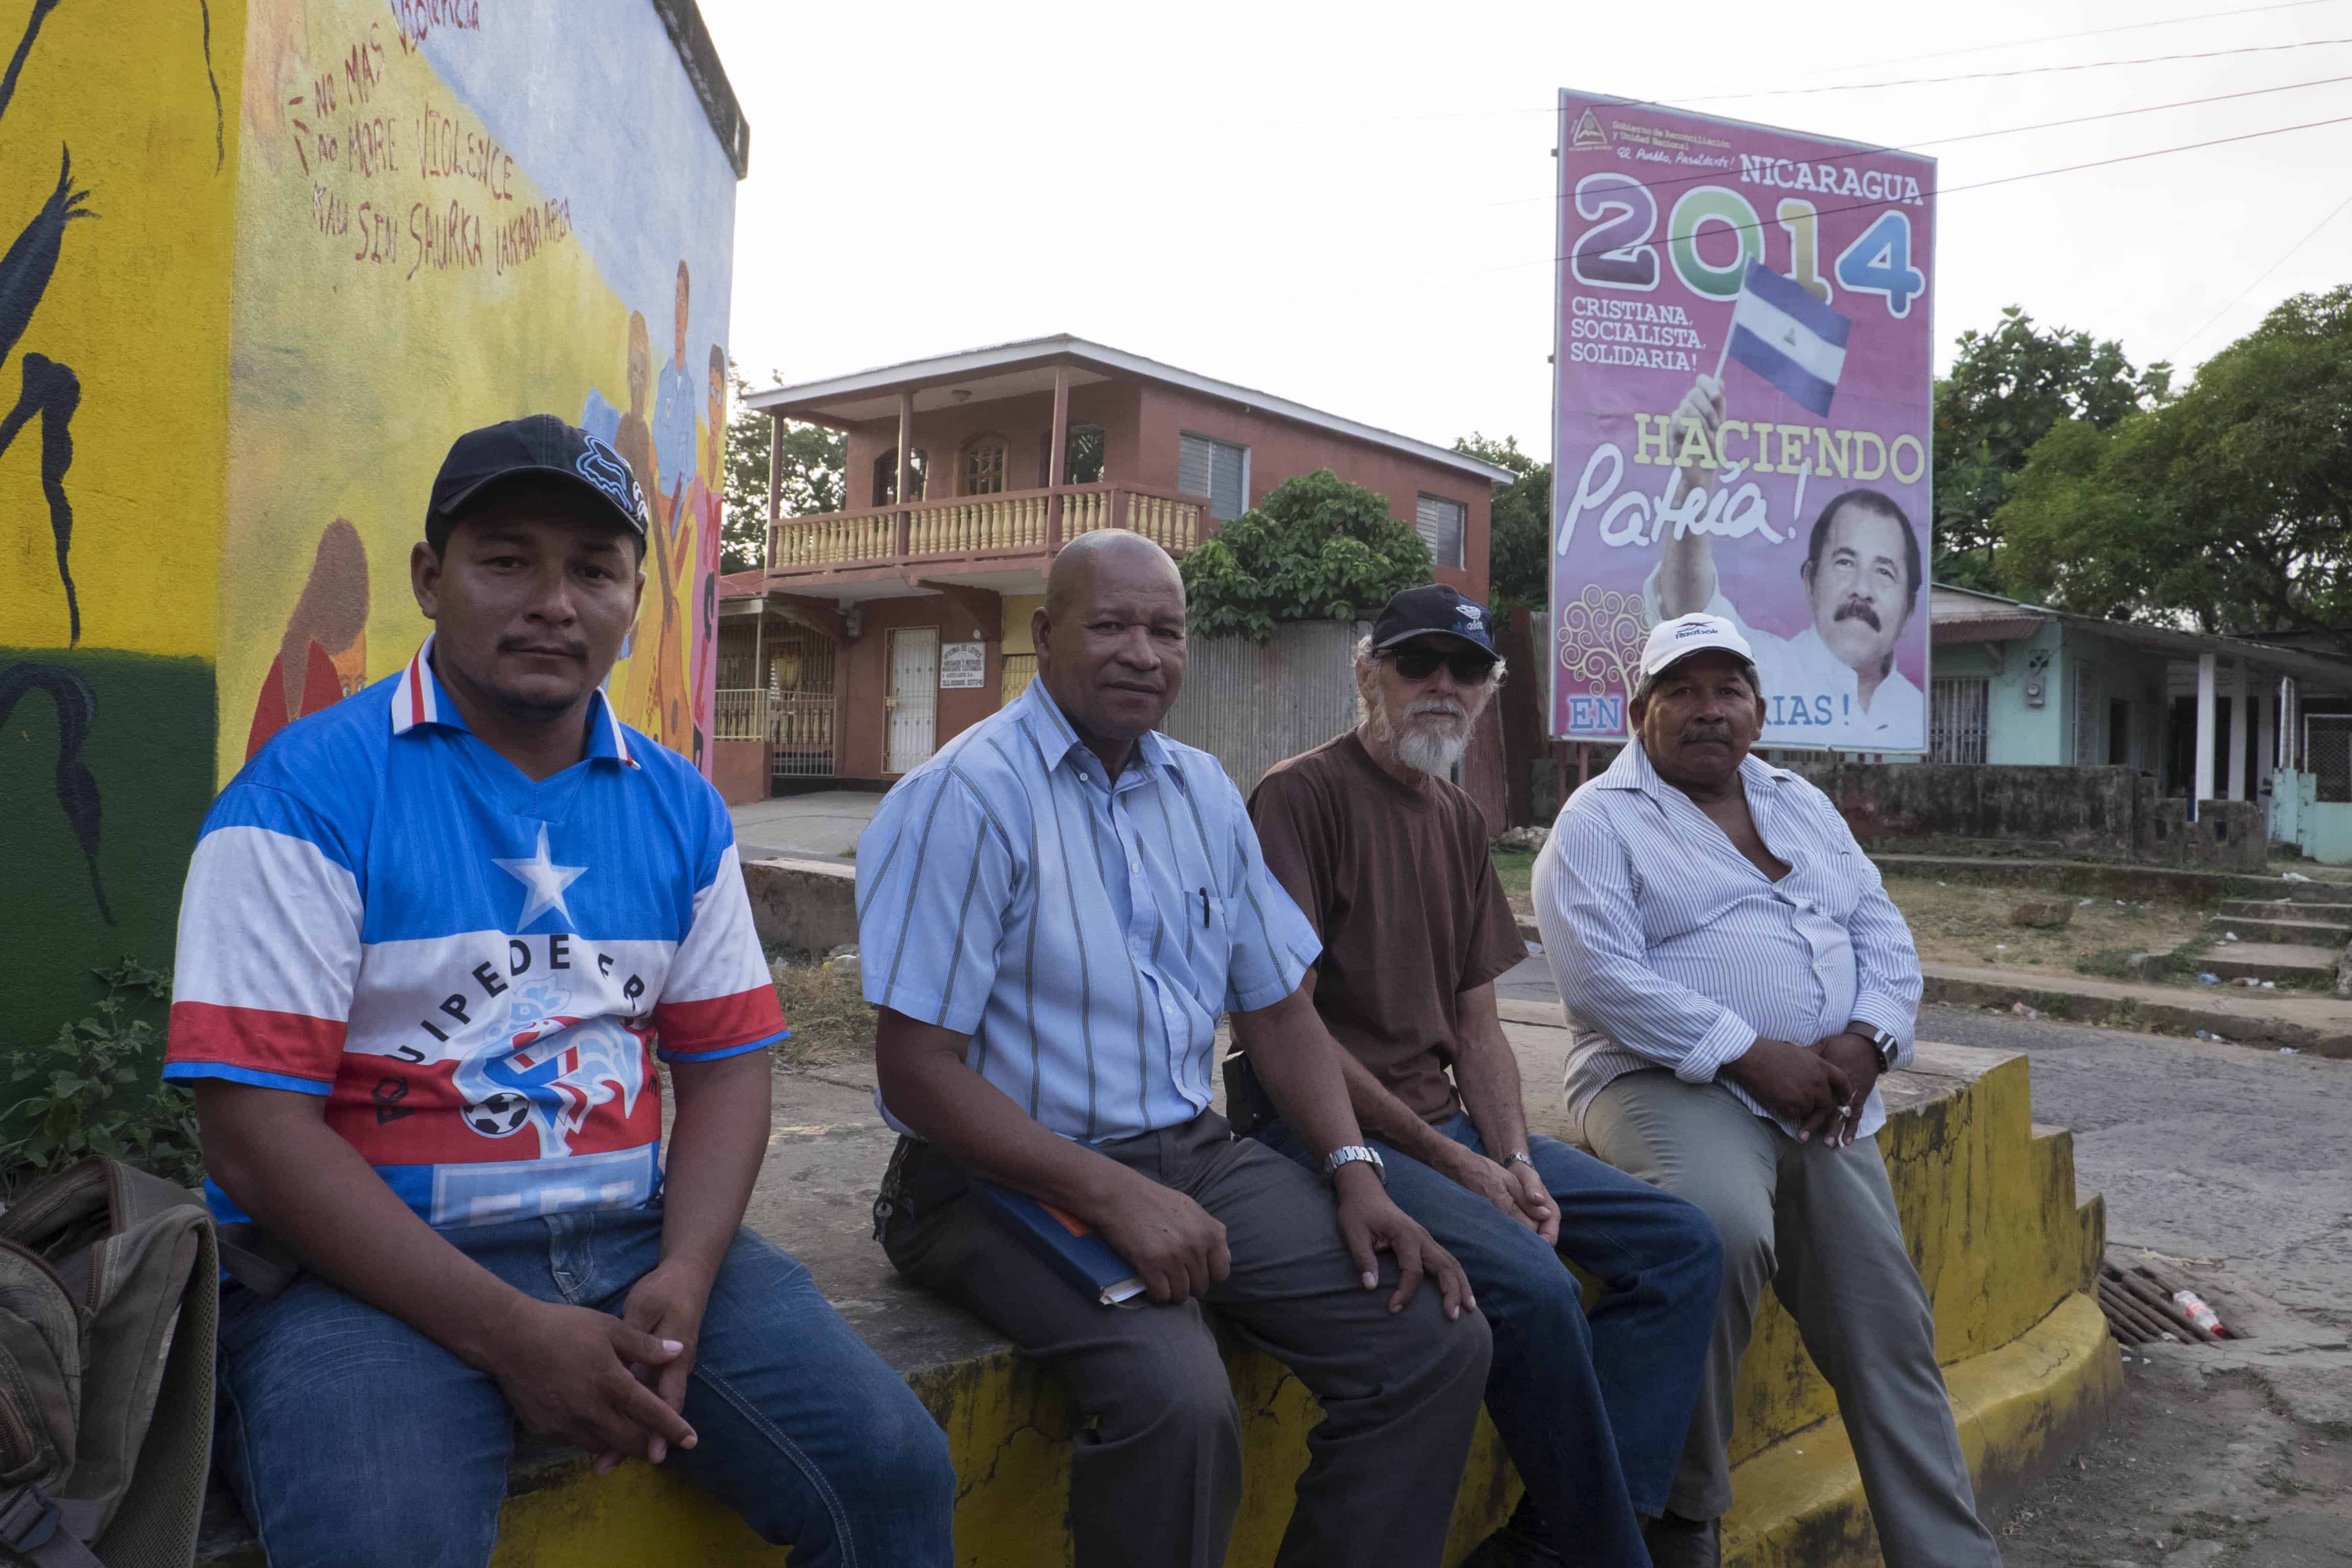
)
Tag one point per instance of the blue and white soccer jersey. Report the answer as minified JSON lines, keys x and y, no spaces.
{"x":474,"y":969}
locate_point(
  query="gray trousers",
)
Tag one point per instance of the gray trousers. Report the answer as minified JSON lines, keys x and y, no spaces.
{"x":1157,"y":1475}
{"x":1819,"y":1226}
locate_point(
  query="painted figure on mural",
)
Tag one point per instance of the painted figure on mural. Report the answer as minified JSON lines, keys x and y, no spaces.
{"x":632,"y":436}
{"x":706,"y":503}
{"x":322,"y":658}
{"x":674,"y":413}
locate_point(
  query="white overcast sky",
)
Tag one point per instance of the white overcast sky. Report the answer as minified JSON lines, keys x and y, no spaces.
{"x":1352,"y":206}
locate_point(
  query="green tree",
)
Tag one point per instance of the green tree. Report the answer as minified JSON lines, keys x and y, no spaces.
{"x":2007,"y":389}
{"x":1318,"y":549}
{"x":1518,"y":539}
{"x":811,"y":478}
{"x":2230,"y":506}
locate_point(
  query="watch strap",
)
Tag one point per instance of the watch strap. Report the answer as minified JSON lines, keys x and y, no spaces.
{"x":1350,"y":1154}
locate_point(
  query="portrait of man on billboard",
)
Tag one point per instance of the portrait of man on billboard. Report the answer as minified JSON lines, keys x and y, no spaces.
{"x":1835,"y":683}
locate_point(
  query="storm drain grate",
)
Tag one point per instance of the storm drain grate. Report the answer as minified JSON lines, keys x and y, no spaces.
{"x":2147,"y":1304}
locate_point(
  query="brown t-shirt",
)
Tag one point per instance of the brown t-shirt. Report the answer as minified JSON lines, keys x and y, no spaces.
{"x":1399,"y":883}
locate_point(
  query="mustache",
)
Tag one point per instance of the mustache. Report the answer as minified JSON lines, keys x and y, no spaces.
{"x":1858,"y":609}
{"x":1437,"y":707}
{"x":1704,"y":729}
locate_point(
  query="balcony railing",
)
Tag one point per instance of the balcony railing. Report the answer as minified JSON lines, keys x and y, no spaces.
{"x":1014,"y":523}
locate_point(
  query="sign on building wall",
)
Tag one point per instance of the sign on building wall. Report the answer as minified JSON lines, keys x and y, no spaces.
{"x":964,"y":666}
{"x":1744,"y":352}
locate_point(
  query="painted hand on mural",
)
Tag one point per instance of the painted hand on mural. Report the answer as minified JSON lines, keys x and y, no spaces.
{"x":77,"y":787}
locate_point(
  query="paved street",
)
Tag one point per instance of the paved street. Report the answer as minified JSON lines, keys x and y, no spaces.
{"x":822,"y":826}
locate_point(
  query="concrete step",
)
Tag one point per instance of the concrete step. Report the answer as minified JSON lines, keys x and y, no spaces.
{"x":2287,"y":909}
{"x":2286,"y":962}
{"x":2272,"y":928}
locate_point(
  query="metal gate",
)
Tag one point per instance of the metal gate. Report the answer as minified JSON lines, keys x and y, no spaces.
{"x":799,"y":703}
{"x":1956,"y":712}
{"x":2328,"y":755}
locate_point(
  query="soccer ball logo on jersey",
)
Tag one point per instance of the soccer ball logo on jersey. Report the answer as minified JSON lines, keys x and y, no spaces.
{"x":545,"y":1067}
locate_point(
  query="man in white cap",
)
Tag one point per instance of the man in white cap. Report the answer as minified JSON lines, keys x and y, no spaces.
{"x":1735,"y":981}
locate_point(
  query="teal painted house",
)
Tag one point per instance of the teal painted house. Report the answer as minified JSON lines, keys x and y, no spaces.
{"x":2210,"y":718}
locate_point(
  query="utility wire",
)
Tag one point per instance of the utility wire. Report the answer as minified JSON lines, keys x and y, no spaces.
{"x":1969,"y":136}
{"x":1951,"y":190}
{"x":2018,"y":71}
{"x":2067,"y":37}
{"x":2257,"y":283}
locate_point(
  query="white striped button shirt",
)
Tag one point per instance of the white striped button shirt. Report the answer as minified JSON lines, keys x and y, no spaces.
{"x":1673,"y":950}
{"x":1086,"y":934}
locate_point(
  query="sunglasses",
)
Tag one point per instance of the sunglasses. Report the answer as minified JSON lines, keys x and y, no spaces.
{"x":1420,"y":663}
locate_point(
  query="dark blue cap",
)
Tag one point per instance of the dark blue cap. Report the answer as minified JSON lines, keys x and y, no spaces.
{"x":544,"y":445}
{"x":1430,"y":611}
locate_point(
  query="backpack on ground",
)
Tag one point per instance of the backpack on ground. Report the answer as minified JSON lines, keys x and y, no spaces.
{"x":110,"y":1293}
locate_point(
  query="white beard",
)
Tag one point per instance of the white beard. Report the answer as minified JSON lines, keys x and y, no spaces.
{"x":1430,"y":752}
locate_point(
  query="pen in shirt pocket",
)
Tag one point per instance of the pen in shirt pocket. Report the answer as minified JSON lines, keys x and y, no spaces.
{"x":1204,"y":909}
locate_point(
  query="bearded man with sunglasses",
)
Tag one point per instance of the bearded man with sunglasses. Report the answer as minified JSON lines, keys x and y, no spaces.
{"x":1389,"y":861}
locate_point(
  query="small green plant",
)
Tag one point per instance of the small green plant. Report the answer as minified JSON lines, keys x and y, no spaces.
{"x":95,"y":1090}
{"x":2108,"y":964}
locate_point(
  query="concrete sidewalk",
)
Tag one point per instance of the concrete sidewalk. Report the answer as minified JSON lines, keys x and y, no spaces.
{"x":822,"y":826}
{"x":2319,"y":1025}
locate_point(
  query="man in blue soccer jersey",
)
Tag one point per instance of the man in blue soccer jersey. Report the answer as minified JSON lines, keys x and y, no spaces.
{"x":432,"y":940}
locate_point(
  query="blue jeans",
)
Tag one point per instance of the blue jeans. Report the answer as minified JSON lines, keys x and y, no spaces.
{"x":356,"y":1442}
{"x":1593,"y":1410}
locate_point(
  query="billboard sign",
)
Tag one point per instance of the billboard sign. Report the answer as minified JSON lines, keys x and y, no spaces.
{"x":1743,"y":355}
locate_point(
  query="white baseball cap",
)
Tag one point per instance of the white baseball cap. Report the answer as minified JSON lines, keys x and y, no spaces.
{"x":1671,"y":642}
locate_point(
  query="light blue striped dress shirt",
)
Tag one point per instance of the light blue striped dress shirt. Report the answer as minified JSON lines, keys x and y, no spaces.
{"x":1672,"y":950}
{"x":1086,"y":934}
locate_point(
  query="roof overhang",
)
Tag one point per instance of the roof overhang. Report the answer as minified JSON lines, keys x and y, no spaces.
{"x":1010,"y":370}
{"x":1964,"y":615}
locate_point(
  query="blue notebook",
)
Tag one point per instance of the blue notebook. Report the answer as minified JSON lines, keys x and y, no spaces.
{"x":1067,"y":1243}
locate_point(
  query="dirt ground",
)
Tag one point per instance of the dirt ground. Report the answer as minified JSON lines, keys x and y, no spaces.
{"x":2198,"y":1468}
{"x":1954,"y":924}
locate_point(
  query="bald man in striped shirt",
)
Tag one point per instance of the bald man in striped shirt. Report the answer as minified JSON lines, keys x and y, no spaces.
{"x":1737,"y":980}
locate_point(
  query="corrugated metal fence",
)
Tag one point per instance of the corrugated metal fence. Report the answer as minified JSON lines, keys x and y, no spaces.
{"x":1251,"y":706}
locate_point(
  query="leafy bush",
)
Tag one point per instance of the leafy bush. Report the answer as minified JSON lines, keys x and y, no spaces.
{"x":1319,"y":548}
{"x":95,"y":1090}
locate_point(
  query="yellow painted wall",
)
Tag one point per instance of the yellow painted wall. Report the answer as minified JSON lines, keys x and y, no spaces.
{"x":1018,"y":608}
{"x":136,"y":309}
{"x":118,"y":186}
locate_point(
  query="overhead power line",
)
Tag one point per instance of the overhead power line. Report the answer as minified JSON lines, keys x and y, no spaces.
{"x":2018,"y":71}
{"x":1954,"y":190}
{"x":2257,"y":283}
{"x":2067,"y":37}
{"x":1967,"y":136}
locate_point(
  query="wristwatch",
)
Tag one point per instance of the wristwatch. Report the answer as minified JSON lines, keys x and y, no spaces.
{"x":1518,"y":1157}
{"x":1882,"y":1041}
{"x":1349,"y":1155}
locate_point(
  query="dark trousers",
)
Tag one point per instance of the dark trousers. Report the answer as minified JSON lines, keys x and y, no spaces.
{"x":1591,"y":1410}
{"x":1156,"y":1476}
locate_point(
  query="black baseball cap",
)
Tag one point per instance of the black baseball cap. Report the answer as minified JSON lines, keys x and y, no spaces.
{"x":543,"y":445}
{"x":1435,"y":611}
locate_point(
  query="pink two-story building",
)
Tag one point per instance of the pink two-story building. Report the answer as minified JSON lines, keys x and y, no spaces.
{"x":890,"y":627}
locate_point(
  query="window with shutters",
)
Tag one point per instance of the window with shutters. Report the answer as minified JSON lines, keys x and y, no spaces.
{"x":1440,"y":523}
{"x":1217,"y":469}
{"x":982,"y":471}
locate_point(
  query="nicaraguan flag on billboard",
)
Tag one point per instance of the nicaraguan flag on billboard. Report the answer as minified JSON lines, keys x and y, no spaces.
{"x":1789,"y":337}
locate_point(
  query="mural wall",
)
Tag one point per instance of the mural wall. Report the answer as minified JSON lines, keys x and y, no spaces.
{"x":443,"y":221}
{"x":260,"y":262}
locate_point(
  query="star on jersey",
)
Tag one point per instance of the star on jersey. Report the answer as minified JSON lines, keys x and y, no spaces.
{"x":545,"y":880}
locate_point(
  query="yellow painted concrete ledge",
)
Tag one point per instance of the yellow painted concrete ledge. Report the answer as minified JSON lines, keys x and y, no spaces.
{"x":1988,"y":1210}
